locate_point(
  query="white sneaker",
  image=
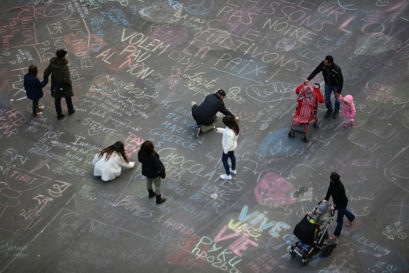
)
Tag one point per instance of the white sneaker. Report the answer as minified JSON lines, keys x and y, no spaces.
{"x":41,"y":107}
{"x":37,"y":115}
{"x":225,"y":177}
{"x":233,"y":171}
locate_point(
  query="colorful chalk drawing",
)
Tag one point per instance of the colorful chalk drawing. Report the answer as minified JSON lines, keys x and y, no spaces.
{"x":199,"y":7}
{"x":272,"y":188}
{"x":277,"y":143}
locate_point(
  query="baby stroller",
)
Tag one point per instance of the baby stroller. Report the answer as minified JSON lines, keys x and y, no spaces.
{"x":308,"y":99}
{"x":312,"y":232}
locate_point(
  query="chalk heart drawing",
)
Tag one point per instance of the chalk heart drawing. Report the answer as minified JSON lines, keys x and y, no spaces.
{"x":397,"y":170}
{"x":274,"y":189}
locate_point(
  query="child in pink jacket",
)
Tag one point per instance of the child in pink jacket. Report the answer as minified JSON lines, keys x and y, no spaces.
{"x":348,"y":109}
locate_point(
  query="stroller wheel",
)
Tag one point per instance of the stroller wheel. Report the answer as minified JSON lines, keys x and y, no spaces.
{"x":328,"y":250}
{"x":291,"y":133}
{"x":305,"y":261}
{"x":291,"y":251}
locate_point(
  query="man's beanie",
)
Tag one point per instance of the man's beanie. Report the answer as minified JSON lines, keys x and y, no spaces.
{"x":61,"y":53}
{"x":334,"y":177}
{"x":221,"y":93}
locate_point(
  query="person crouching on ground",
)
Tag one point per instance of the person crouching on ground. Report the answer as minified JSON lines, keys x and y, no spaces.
{"x":205,"y":113}
{"x":108,"y":163}
{"x":229,"y":143}
{"x":153,"y":169}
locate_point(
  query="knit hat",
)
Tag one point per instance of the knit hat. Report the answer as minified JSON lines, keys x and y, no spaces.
{"x":61,"y":53}
{"x":323,"y":207}
{"x":334,"y":177}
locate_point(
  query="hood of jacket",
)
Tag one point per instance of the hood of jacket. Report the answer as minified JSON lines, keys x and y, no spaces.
{"x":58,"y":61}
{"x":349,"y":99}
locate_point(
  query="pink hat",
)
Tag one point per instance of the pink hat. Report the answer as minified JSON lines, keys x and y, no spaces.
{"x":349,"y":99}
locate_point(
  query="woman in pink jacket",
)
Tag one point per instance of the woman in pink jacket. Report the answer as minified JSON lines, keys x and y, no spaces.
{"x":348,"y":109}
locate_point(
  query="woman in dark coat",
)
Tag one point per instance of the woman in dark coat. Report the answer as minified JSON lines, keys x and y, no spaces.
{"x":34,"y":89}
{"x":61,"y":86}
{"x":153,"y":169}
{"x":337,"y":191}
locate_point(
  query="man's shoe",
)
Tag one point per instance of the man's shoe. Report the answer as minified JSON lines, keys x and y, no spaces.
{"x":198,"y":130}
{"x":333,"y":237}
{"x":349,"y":223}
{"x":70,"y":113}
{"x":151,"y":193}
{"x":41,"y":107}
{"x":335,"y":115}
{"x":160,"y":200}
{"x":233,"y":171}
{"x":328,"y":114}
{"x":60,"y":117}
{"x":225,"y":177}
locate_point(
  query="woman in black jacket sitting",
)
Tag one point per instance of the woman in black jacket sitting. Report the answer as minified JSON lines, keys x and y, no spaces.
{"x":153,"y":169}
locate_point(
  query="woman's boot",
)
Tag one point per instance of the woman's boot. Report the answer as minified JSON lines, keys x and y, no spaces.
{"x":159,"y":199}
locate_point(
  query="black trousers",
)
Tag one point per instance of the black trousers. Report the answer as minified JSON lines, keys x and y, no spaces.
{"x":35,"y":106}
{"x":70,"y":107}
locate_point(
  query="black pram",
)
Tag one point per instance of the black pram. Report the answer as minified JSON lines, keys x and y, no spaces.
{"x":312,"y":232}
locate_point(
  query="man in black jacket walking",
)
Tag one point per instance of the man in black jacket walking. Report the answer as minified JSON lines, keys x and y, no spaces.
{"x":337,"y":191}
{"x":333,"y":83}
{"x":205,"y":113}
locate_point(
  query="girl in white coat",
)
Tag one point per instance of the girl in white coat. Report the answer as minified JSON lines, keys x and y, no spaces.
{"x":229,"y":143}
{"x":108,"y":162}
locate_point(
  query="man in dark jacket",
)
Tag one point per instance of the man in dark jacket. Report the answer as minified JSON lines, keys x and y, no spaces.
{"x":61,"y":86}
{"x":34,"y":89}
{"x":337,"y":191}
{"x":333,"y":83}
{"x":205,"y":113}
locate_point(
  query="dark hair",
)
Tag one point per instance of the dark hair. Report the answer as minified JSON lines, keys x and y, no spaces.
{"x":146,"y":149}
{"x":117,"y":147}
{"x":32,"y":69}
{"x":221,"y":93}
{"x":329,"y":59}
{"x":230,"y":122}
{"x":61,"y":53}
{"x":334,"y":177}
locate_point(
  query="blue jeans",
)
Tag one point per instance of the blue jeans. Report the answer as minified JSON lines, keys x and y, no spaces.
{"x":328,"y":90}
{"x":57,"y":102}
{"x":226,"y":164}
{"x":340,"y":219}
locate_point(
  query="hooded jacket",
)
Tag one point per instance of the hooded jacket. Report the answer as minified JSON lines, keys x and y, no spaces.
{"x":332,"y":75}
{"x":58,"y":68}
{"x":33,"y":86}
{"x":348,"y":111}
